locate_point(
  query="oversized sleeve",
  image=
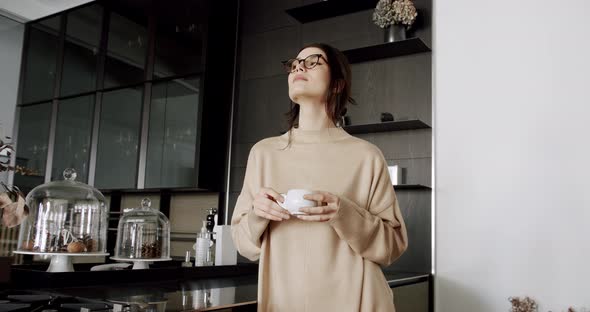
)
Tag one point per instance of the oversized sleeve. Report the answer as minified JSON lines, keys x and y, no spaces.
{"x":376,"y":231}
{"x":246,"y":227}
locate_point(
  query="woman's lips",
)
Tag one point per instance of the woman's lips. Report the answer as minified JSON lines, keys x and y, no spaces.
{"x":299,"y":77}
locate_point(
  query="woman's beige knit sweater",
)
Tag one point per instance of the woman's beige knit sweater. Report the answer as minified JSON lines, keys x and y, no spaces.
{"x":321,"y":266}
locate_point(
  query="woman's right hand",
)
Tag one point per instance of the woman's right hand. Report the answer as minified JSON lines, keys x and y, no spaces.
{"x":265,"y":205}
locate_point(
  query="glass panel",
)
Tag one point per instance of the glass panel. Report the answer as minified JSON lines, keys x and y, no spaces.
{"x":81,"y":50}
{"x":118,"y":139}
{"x":40,"y":60}
{"x":72,"y":137}
{"x":173,"y":139}
{"x":179,"y":38}
{"x":32,"y":140}
{"x":126,"y":51}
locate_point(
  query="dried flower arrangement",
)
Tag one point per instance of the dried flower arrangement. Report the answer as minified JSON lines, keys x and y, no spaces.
{"x":527,"y":305}
{"x":388,"y":12}
{"x":523,"y":305}
{"x":13,"y":209}
{"x":8,"y":149}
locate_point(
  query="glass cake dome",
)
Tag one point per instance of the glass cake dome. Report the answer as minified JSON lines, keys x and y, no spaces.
{"x":143,"y":234}
{"x":66,"y":218}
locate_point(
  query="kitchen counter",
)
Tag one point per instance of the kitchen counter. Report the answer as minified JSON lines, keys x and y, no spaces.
{"x":207,"y":294}
{"x":163,"y":288}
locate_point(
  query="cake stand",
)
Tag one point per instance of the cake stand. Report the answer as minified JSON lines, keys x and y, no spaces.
{"x":61,"y":261}
{"x":140,"y":263}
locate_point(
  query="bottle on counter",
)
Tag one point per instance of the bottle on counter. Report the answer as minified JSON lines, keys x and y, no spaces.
{"x":211,"y":219}
{"x":205,"y":247}
{"x":187,"y":260}
{"x":211,"y":250}
{"x":211,"y":223}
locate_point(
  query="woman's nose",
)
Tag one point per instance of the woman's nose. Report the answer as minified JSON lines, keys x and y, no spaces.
{"x":299,"y":66}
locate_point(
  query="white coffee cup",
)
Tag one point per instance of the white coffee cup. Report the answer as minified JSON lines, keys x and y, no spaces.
{"x":294,"y":200}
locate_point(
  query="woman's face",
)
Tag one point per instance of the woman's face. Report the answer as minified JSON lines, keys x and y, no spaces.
{"x":311,"y":83}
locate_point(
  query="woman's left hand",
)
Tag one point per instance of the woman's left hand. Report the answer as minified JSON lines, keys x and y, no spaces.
{"x":328,"y":206}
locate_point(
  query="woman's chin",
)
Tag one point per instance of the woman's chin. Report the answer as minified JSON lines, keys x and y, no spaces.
{"x":302,"y":95}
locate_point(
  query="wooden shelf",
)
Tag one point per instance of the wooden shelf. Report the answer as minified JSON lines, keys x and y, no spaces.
{"x":330,"y":8}
{"x":387,"y":126}
{"x":411,"y":187}
{"x":386,"y":50}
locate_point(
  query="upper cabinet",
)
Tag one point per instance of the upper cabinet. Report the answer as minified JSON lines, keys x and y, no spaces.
{"x":118,"y":91}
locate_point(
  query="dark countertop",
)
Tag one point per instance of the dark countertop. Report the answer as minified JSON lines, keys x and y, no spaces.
{"x":35,"y":276}
{"x":192,"y":295}
{"x":200,"y":294}
{"x":398,"y":279}
{"x":165,"y":288}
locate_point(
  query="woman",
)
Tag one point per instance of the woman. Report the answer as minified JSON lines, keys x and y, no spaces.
{"x":327,"y":259}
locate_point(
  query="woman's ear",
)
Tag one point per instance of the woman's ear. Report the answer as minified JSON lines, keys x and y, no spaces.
{"x":339,"y":86}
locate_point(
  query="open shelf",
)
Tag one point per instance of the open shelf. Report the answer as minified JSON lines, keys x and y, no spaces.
{"x":411,"y":187}
{"x":387,"y":126}
{"x":330,"y":8}
{"x":386,"y":50}
{"x":155,"y":190}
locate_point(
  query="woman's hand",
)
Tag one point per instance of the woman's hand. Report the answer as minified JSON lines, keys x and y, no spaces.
{"x":265,"y":205}
{"x":329,"y":204}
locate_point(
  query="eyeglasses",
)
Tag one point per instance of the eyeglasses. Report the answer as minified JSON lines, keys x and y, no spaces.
{"x":309,"y":62}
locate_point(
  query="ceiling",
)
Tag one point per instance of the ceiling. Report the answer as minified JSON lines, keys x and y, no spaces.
{"x":28,"y":10}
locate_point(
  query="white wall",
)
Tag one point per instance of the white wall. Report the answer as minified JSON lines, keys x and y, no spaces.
{"x":11,"y":43}
{"x":512,"y":153}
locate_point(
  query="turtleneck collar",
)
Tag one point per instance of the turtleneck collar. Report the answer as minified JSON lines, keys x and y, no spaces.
{"x":325,"y":135}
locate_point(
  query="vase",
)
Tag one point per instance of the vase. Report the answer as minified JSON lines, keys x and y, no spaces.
{"x":395,"y":32}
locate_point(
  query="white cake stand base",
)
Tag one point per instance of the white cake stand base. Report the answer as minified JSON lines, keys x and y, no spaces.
{"x":61,"y":261}
{"x":140,"y":264}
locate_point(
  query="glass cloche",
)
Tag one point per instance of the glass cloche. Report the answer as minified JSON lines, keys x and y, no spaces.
{"x":66,"y":218}
{"x":143,"y":235}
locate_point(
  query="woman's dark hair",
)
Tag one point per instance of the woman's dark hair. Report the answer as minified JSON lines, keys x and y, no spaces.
{"x":338,"y":91}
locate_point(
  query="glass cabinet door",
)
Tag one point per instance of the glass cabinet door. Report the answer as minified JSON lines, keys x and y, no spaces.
{"x":179,"y":41}
{"x":118,"y":139}
{"x":40,"y":60}
{"x":172,"y":150}
{"x":126,"y":51}
{"x":72,"y":137}
{"x":81,"y":50}
{"x":31,"y":145}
